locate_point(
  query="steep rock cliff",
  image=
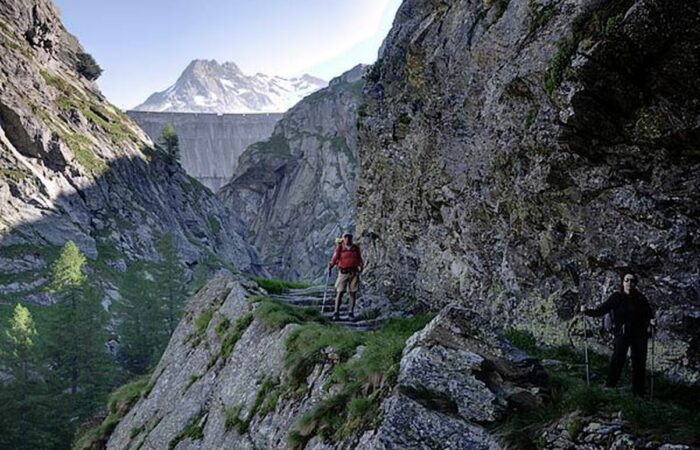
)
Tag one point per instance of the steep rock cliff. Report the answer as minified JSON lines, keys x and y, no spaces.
{"x":73,"y":167}
{"x":295,"y":191}
{"x":517,"y":156}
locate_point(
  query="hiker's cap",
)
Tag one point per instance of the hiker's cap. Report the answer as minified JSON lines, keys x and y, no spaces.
{"x":347,"y":234}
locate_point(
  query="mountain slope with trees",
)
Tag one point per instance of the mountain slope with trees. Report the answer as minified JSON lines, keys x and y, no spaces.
{"x":87,"y":203}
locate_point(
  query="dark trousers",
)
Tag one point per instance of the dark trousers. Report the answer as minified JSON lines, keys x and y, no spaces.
{"x":638,"y":346}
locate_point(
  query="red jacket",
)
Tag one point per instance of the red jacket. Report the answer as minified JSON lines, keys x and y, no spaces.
{"x":348,"y":258}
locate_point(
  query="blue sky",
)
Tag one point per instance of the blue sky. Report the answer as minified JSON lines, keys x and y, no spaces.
{"x":144,"y":45}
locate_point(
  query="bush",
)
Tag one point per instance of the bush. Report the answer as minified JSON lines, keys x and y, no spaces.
{"x":88,"y":67}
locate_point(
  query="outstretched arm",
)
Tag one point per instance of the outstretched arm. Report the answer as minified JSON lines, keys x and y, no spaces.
{"x":600,"y":310}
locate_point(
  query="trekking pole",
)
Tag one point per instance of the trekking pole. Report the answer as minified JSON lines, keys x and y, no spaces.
{"x":585,"y":350}
{"x":325,"y":289}
{"x":651,"y":384}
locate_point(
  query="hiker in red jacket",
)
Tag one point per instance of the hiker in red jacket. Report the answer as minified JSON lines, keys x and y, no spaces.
{"x":349,"y":260}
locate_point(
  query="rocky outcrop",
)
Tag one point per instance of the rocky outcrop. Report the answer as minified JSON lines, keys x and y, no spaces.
{"x":73,"y":167}
{"x":517,"y":156}
{"x":210,"y":144}
{"x":295,"y":191}
{"x":577,"y":431}
{"x":455,"y":377}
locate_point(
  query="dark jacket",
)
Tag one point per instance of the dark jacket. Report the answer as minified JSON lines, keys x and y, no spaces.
{"x":631,"y":313}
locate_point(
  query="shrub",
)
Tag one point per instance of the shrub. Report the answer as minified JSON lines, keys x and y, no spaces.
{"x":88,"y":67}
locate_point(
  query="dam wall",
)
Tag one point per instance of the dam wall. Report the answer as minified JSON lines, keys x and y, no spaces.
{"x":210,"y":144}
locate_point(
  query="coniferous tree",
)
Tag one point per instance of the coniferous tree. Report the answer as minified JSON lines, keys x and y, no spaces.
{"x":170,"y":142}
{"x":18,"y":349}
{"x":17,"y":356}
{"x":79,"y":363}
{"x":27,"y":420}
{"x":142,"y":331}
{"x":170,"y":281}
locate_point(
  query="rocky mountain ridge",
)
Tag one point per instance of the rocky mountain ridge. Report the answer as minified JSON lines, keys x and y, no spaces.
{"x":207,"y":86}
{"x":295,"y":191}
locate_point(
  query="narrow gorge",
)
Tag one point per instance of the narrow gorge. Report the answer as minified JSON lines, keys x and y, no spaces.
{"x":501,"y":164}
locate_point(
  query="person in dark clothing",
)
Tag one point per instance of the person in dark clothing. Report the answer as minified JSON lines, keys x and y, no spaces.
{"x":631,"y":317}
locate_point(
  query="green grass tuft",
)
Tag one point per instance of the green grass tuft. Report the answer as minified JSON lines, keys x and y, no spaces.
{"x":264,"y":402}
{"x":194,"y":430}
{"x":558,"y":65}
{"x":235,"y":334}
{"x":201,"y":323}
{"x":541,"y":16}
{"x":222,"y":327}
{"x":275,"y":314}
{"x":363,"y":381}
{"x":118,"y":405}
{"x":275,"y":286}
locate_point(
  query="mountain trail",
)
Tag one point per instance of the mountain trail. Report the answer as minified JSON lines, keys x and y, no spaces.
{"x":313,"y":297}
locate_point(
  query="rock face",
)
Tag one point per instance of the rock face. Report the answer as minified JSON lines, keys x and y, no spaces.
{"x":295,"y":191}
{"x":457,"y":376}
{"x":210,"y":144}
{"x":526,"y":153}
{"x":196,"y":386}
{"x":207,"y":86}
{"x":73,"y":167}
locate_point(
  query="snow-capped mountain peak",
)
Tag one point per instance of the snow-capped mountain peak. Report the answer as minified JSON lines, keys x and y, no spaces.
{"x":207,"y":86}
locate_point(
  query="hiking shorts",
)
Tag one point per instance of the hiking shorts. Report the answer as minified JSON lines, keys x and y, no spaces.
{"x":348,"y":282}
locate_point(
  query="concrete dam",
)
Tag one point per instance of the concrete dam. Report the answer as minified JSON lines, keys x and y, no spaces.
{"x":210,"y":144}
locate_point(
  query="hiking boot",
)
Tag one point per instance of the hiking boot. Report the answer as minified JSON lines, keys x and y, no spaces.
{"x":336,"y":317}
{"x":351,"y":316}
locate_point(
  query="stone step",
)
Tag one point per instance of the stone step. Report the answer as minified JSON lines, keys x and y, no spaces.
{"x":302,"y":301}
{"x":303,"y":298}
{"x":310,"y":291}
{"x":369,"y":324}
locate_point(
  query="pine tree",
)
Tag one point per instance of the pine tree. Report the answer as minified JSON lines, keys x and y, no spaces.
{"x":170,"y":142}
{"x":17,"y":355}
{"x":28,"y":419}
{"x":170,"y":280}
{"x":80,"y":365}
{"x":18,"y":349}
{"x":142,"y":331}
